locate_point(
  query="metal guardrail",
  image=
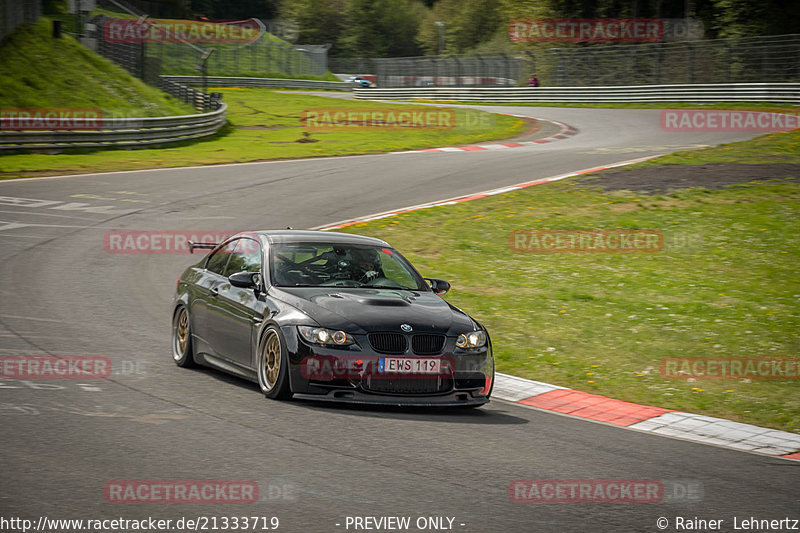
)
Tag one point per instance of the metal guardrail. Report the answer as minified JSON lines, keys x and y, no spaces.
{"x":198,"y":99}
{"x":226,"y":81}
{"x":115,"y":132}
{"x":784,"y":93}
{"x":134,"y":132}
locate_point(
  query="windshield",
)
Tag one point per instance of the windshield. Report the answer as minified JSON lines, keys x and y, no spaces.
{"x":341,"y":265}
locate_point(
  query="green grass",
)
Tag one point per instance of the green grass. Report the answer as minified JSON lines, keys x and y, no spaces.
{"x":265,"y":124}
{"x":782,"y":147}
{"x":39,"y":71}
{"x":267,"y":57}
{"x":725,"y":285}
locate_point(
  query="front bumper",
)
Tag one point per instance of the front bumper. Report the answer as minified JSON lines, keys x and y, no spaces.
{"x":352,"y":375}
{"x":354,"y":396}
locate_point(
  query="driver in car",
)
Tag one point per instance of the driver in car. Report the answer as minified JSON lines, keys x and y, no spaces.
{"x":365,"y":265}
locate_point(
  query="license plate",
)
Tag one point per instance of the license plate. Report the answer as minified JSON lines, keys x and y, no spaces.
{"x":396,"y":365}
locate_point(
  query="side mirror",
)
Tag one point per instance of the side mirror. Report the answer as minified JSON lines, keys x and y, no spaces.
{"x":244,"y":280}
{"x":439,"y":286}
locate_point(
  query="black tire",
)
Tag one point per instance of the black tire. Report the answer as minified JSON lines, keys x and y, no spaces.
{"x":272,"y":367}
{"x":182,"y":339}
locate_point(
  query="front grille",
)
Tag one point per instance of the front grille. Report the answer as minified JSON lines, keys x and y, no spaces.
{"x":409,"y":385}
{"x":425,"y":344}
{"x":388,"y":343}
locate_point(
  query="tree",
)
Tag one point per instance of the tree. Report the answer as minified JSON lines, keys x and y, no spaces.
{"x":383,"y":28}
{"x":466,"y":24}
{"x":240,"y":9}
{"x":318,"y":21}
{"x":746,"y":18}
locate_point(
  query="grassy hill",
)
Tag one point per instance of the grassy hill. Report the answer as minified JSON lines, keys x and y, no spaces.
{"x":267,"y":57}
{"x":40,"y":71}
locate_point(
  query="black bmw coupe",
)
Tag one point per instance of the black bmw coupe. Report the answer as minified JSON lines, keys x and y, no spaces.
{"x":329,"y":316}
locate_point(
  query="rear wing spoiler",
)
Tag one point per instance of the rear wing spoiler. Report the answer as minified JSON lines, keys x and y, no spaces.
{"x":202,"y":245}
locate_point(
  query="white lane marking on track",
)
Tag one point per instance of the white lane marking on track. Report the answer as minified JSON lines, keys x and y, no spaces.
{"x":12,"y":225}
{"x":501,"y":191}
{"x":636,"y":149}
{"x":42,"y":214}
{"x":24,"y":409}
{"x":99,"y":209}
{"x":63,"y":206}
{"x":461,"y":198}
{"x":32,"y":318}
{"x":22,"y":236}
{"x":307,"y":159}
{"x":30,"y":335}
{"x":495,"y":146}
{"x":4,"y":226}
{"x":209,"y":218}
{"x":27,"y":202}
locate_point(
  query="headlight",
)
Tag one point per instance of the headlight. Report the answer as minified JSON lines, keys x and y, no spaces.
{"x":325,"y":337}
{"x":474,"y":339}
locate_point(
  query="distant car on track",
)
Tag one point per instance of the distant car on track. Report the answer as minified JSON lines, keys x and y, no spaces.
{"x":359,"y":81}
{"x":329,"y":316}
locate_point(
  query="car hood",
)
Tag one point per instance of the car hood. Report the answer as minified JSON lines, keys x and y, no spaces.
{"x":366,"y":310}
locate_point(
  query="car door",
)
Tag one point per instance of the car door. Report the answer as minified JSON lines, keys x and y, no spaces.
{"x":204,"y":307}
{"x":239,"y":309}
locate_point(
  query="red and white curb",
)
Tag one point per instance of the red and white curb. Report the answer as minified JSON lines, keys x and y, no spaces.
{"x":685,"y":426}
{"x":566,"y":132}
{"x":460,"y":199}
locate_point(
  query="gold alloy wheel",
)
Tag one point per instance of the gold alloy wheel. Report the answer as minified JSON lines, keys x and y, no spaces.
{"x":181,"y":334}
{"x":270,"y":364}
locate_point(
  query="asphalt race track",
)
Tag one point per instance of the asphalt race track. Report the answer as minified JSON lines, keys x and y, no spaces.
{"x":62,"y":293}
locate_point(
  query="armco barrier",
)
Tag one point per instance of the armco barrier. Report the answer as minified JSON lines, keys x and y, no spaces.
{"x":134,"y":132}
{"x":783,"y":93}
{"x":116,"y":132}
{"x":198,"y":99}
{"x":226,"y":81}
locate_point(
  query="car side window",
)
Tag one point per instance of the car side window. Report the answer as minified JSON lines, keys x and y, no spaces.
{"x":245,"y":258}
{"x":219,"y":258}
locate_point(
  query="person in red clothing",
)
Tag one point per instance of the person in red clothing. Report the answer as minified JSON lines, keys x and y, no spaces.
{"x":533,"y":81}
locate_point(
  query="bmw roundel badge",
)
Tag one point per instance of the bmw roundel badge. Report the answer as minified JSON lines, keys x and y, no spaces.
{"x":406,"y":327}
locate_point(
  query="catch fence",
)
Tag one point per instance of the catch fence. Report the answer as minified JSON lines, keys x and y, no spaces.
{"x":769,"y":59}
{"x":14,"y":13}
